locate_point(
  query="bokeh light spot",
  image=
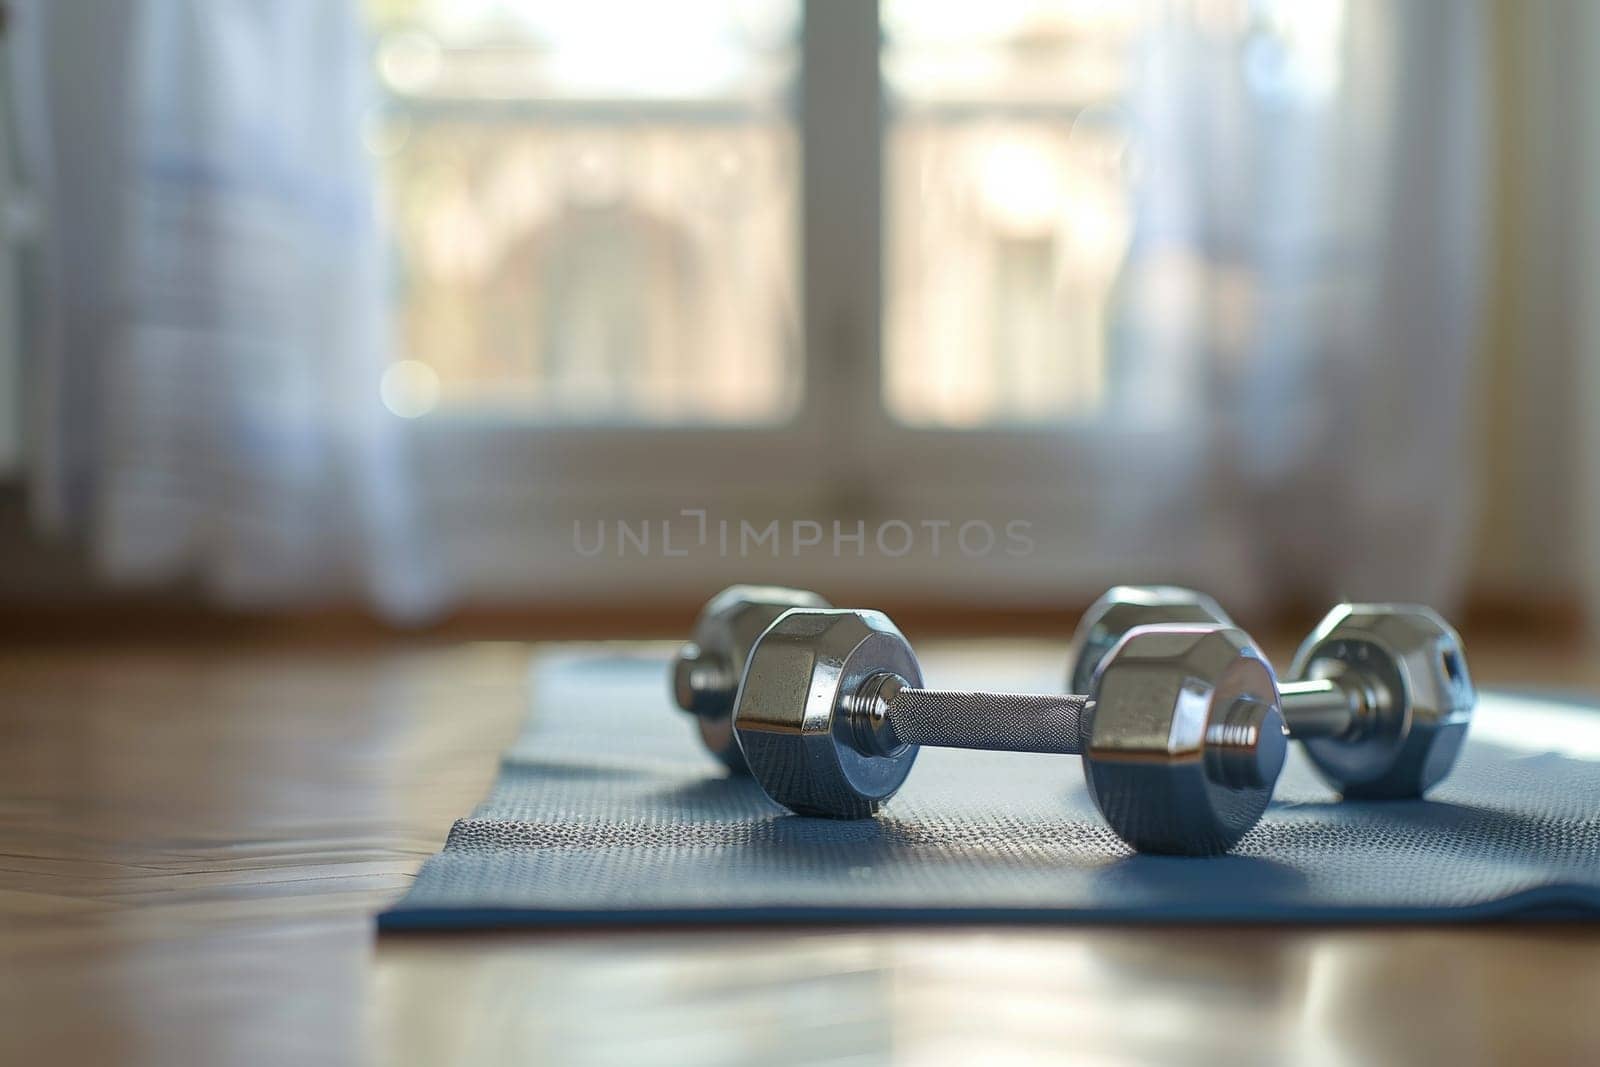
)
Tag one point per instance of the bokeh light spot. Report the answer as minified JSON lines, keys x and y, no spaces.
{"x":410,"y":388}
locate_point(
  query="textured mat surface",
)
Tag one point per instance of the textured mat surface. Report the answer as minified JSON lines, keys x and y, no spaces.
{"x":606,"y":812}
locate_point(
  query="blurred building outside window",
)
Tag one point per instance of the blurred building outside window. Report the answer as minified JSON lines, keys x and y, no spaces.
{"x":600,"y":226}
{"x":1007,"y":206}
{"x":595,"y":207}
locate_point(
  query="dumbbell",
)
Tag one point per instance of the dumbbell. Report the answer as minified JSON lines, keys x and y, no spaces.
{"x":1378,"y":693}
{"x":707,"y":669}
{"x":1181,"y":736}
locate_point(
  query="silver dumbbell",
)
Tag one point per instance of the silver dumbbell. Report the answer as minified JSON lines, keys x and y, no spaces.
{"x":1378,"y":693}
{"x":1181,"y":736}
{"x":707,"y":669}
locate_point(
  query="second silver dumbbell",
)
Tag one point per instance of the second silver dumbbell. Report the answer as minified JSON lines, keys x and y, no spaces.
{"x":707,"y":668}
{"x":1378,"y":693}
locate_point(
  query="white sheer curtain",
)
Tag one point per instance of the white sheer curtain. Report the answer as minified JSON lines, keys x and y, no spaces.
{"x":1297,"y":323}
{"x":1541,"y":528}
{"x":206,"y":391}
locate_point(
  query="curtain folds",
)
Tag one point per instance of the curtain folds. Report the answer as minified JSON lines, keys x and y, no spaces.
{"x":207,"y":387}
{"x":1298,"y":324}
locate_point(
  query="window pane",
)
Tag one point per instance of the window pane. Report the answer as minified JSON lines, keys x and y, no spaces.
{"x":593,"y":224}
{"x":1007,"y":210}
{"x":1069,"y":185}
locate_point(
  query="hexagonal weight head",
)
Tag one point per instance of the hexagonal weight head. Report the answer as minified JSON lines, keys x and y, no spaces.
{"x":1186,"y":739}
{"x":1420,"y":698}
{"x":706,"y":670}
{"x":1125,"y":607}
{"x":792,"y":718}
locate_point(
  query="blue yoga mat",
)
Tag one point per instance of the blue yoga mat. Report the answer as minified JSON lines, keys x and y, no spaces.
{"x":607,"y":812}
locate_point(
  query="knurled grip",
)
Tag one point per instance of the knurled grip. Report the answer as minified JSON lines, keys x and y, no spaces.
{"x":1005,"y":722}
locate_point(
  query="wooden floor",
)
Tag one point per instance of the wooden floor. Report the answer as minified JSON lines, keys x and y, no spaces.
{"x":193,"y":841}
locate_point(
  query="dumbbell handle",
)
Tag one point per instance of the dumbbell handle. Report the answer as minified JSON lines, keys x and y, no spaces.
{"x":703,"y":683}
{"x":1324,"y":707}
{"x":888,"y":713}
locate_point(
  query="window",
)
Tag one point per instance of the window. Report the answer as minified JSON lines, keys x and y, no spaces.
{"x":596,"y":209}
{"x":805,"y":261}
